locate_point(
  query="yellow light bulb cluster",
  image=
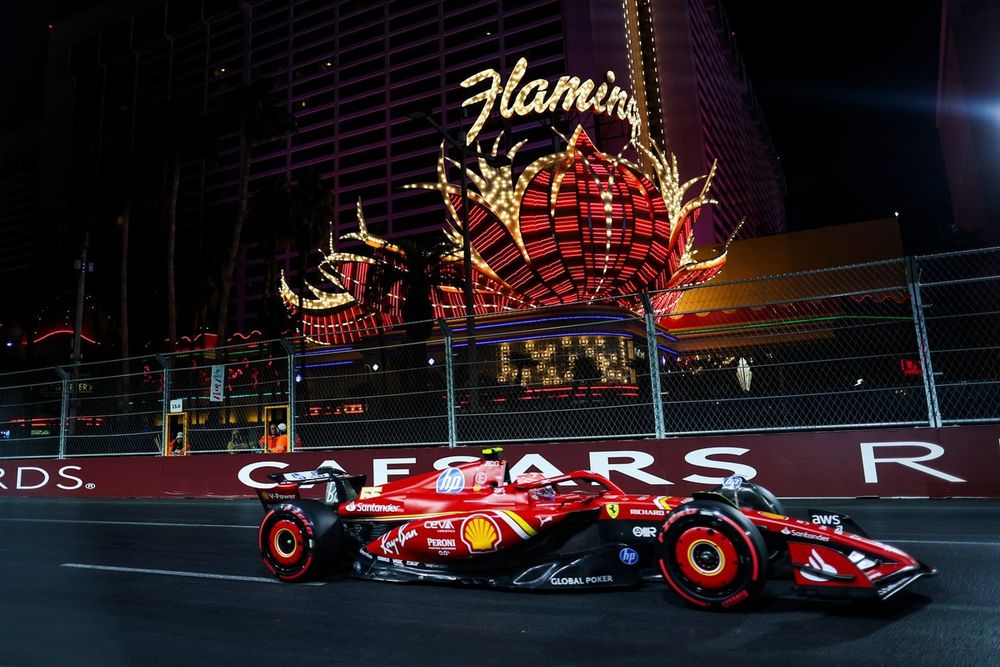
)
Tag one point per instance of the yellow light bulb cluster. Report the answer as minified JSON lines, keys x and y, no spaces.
{"x":551,"y":362}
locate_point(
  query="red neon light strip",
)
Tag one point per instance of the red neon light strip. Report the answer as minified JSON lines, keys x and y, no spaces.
{"x":63,"y":331}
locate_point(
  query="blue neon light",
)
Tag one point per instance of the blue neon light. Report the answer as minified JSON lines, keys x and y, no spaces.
{"x":329,"y":363}
{"x":333,"y":351}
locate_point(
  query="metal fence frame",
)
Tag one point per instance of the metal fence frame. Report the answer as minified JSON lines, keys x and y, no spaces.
{"x":939,"y":310}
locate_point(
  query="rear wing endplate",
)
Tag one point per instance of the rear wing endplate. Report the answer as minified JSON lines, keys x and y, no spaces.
{"x":341,"y":487}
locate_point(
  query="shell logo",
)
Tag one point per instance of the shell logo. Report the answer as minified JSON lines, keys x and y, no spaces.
{"x":480,"y":533}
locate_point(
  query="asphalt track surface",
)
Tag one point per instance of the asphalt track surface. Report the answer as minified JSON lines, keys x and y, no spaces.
{"x":179,"y":582}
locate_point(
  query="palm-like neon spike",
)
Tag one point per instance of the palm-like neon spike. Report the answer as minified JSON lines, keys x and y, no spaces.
{"x":576,"y":225}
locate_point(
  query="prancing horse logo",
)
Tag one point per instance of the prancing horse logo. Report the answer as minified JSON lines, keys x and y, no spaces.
{"x":612,"y":510}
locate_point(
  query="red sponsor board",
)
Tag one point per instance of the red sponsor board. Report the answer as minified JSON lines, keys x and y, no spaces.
{"x":945,"y":462}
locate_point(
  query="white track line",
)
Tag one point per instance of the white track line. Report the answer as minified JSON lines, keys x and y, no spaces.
{"x":132,"y":523}
{"x":952,"y":542}
{"x":177,"y":573}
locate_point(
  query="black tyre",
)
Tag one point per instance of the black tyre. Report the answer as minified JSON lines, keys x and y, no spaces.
{"x":301,"y":540}
{"x":711,"y":555}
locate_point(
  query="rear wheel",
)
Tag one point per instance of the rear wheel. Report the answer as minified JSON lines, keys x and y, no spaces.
{"x":711,"y":555}
{"x":300,"y":541}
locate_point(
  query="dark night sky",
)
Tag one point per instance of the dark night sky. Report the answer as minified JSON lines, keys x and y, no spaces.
{"x":22,"y":59}
{"x":847,"y":90}
{"x":23,"y":51}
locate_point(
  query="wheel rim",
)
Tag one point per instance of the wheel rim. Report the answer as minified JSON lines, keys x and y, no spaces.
{"x":707,"y":558}
{"x":287,"y":544}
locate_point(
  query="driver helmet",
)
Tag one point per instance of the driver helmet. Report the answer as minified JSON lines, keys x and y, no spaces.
{"x":539,"y":493}
{"x":544,"y":492}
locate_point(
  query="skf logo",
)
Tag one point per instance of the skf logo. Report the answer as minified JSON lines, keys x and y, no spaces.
{"x":612,"y":510}
{"x":480,"y":533}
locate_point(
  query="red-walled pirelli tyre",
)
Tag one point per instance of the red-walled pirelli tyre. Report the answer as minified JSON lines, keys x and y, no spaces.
{"x":712,"y":555}
{"x":300,"y":540}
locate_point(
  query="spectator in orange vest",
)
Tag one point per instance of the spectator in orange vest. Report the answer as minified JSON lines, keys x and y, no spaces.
{"x":268,"y":440}
{"x":281,"y":444}
{"x":177,"y":446}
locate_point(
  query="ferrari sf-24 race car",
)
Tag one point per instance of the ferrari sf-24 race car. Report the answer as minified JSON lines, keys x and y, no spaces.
{"x":472,"y":524}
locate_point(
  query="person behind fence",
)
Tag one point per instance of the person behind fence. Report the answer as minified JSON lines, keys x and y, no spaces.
{"x":281,"y":444}
{"x":268,"y":440}
{"x":237,"y":443}
{"x":177,"y":446}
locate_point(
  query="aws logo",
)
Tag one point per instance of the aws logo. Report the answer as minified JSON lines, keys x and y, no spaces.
{"x":826,"y":519}
{"x":480,"y":533}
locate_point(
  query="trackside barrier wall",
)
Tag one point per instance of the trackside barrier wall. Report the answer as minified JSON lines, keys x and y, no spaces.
{"x":901,"y":343}
{"x":947,"y":462}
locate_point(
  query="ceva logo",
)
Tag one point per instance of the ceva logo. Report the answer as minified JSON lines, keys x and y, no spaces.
{"x":450,"y":481}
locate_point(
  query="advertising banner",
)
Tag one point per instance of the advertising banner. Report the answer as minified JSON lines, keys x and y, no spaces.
{"x":217,"y":392}
{"x":946,"y":462}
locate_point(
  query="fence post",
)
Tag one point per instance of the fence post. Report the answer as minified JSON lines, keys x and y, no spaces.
{"x":449,"y":378}
{"x":923,"y":343}
{"x":165,"y":364}
{"x":290,"y":351}
{"x":654,"y":366}
{"x":63,"y":411}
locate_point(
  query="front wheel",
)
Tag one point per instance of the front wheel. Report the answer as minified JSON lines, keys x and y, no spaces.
{"x":712,"y":555}
{"x":300,"y":541}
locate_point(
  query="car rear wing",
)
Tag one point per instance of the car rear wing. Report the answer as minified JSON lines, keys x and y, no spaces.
{"x":341,"y":487}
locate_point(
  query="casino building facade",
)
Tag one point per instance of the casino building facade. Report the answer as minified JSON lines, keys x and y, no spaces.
{"x":357,"y":75}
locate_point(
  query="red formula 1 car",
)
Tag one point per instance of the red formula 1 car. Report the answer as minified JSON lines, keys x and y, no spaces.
{"x":471,"y":524}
